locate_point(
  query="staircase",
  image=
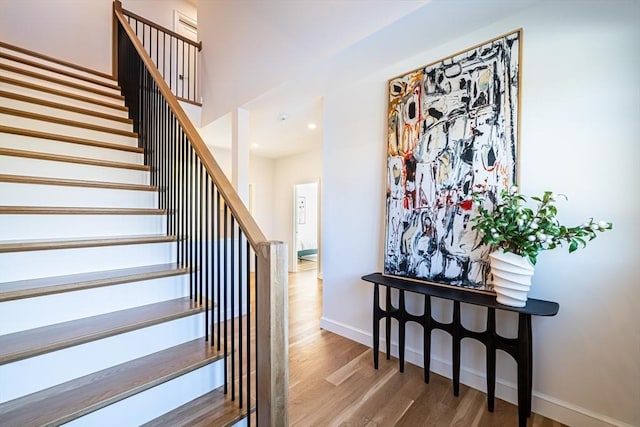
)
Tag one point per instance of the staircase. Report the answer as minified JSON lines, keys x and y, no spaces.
{"x":97,"y":323}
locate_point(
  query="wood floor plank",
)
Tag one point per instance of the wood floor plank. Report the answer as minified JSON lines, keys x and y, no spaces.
{"x":71,"y":159}
{"x":33,"y":342}
{"x":52,"y":285}
{"x":24,"y":179}
{"x":42,"y":245}
{"x":212,"y":409}
{"x":63,"y":403}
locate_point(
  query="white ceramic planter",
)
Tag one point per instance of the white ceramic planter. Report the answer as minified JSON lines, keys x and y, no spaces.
{"x":511,"y":277}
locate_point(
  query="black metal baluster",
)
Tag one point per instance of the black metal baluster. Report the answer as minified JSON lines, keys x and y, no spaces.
{"x":183,"y":208}
{"x":188,"y":73}
{"x":240,"y":316}
{"x":182,"y":90}
{"x":224,"y":298}
{"x":233,"y":310}
{"x":195,"y":76}
{"x":190,"y":215}
{"x":248,"y":293}
{"x":207,"y":213}
{"x":200,"y":230}
{"x":218,"y":265}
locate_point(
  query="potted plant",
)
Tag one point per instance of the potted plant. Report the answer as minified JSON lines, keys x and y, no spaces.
{"x":517,"y":234}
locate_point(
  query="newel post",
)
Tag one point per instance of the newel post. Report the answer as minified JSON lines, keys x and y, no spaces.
{"x":272,"y":335}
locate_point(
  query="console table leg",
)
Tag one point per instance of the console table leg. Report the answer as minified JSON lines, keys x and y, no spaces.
{"x":456,"y":347}
{"x":491,"y":358}
{"x":376,"y":324}
{"x":401,"y":330}
{"x":388,"y":324}
{"x":426,"y":330}
{"x":524,"y":368}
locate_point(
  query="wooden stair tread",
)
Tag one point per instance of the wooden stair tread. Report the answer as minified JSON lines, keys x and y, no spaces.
{"x":71,"y":159}
{"x":56,"y":60}
{"x":62,"y":93}
{"x":211,"y":409}
{"x":67,"y":138}
{"x":41,"y":245}
{"x":62,"y":72}
{"x":58,"y":210}
{"x":24,"y":179}
{"x":33,"y":342}
{"x":62,"y":82}
{"x":65,"y":402}
{"x":47,"y":103}
{"x":66,"y":122}
{"x":75,"y":282}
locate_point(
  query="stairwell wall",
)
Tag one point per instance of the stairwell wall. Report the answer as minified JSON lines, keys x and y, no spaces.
{"x":579,"y":137}
{"x":74,"y":31}
{"x":77,"y":31}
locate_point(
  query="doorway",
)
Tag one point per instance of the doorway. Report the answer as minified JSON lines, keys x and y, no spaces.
{"x":306,"y":220}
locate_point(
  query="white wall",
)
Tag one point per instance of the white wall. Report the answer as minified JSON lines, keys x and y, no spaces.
{"x":161,"y":11}
{"x":261,"y":179}
{"x":289,"y":171}
{"x":580,"y":125}
{"x":76,"y":31}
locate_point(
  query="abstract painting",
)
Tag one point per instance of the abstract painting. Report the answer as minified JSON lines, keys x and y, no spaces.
{"x":452,"y":130}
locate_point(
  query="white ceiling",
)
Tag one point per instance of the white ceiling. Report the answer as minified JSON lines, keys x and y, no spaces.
{"x":289,"y":46}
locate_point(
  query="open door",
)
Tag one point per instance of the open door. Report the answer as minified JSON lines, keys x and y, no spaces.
{"x":306,"y":226}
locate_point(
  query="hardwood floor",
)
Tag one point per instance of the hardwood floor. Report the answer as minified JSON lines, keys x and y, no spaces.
{"x":332,"y":381}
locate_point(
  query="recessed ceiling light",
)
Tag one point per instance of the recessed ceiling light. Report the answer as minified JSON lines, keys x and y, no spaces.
{"x":312,"y":126}
{"x":255,"y":145}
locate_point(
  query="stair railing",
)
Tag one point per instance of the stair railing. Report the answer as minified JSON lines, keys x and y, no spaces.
{"x":217,"y":238}
{"x":175,"y":56}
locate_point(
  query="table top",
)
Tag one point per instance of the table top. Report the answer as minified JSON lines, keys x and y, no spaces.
{"x":534,"y":306}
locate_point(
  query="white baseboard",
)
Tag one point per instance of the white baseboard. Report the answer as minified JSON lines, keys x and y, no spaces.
{"x":548,"y":406}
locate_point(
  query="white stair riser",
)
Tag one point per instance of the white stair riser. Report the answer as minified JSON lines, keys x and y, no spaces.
{"x":19,"y":315}
{"x":62,"y":129}
{"x":54,"y":169}
{"x":17,"y":194}
{"x":55,"y":75}
{"x":64,"y":114}
{"x":54,"y":65}
{"x":36,"y":373}
{"x":62,"y":87}
{"x":64,"y":99}
{"x":58,"y":262}
{"x":53,"y":226}
{"x":41,"y":145}
{"x":150,"y":404}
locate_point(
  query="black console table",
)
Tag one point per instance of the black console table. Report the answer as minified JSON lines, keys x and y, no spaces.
{"x":520,"y":348}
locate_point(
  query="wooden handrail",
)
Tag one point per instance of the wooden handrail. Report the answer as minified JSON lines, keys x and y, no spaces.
{"x":161,"y":28}
{"x":231,"y":197}
{"x":271,"y":354}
